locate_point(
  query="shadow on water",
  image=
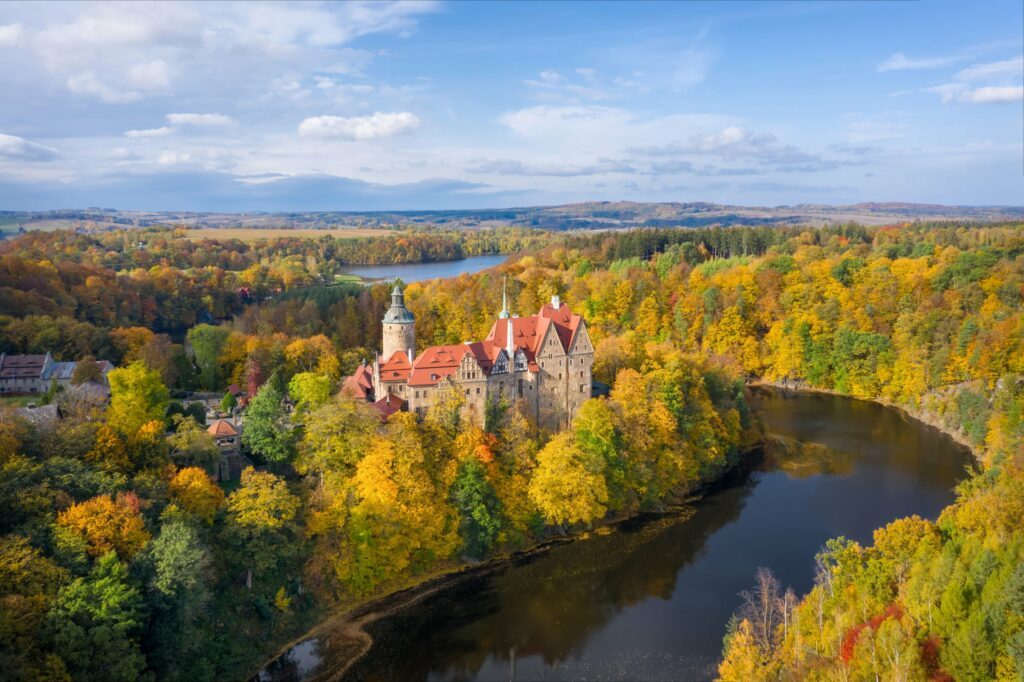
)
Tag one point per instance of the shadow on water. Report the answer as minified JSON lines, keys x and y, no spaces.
{"x":650,"y":599}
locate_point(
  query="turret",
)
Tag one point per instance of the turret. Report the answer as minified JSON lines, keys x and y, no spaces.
{"x":399,"y":327}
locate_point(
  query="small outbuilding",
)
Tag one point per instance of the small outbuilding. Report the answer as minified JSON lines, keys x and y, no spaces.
{"x":228,"y":437}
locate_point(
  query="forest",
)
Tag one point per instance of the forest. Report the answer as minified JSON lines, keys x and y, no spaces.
{"x":121,"y":558}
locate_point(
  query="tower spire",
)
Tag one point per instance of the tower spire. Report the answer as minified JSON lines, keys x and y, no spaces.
{"x":504,"y":300}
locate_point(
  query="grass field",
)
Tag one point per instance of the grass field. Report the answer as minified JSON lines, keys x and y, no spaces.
{"x":254,"y":234}
{"x":20,"y":401}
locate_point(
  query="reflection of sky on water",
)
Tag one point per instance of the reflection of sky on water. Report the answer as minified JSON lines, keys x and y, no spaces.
{"x":417,"y":272}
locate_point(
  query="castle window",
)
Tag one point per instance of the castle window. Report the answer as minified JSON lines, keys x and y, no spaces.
{"x":559,"y":375}
{"x":581,"y":388}
{"x":478,"y":390}
{"x":467,"y":391}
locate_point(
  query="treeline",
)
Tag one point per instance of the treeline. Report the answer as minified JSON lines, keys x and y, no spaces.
{"x":168,"y":283}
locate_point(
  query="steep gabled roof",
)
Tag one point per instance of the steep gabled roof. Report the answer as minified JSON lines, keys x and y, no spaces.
{"x":396,"y":368}
{"x":528,"y":332}
{"x":360,"y":384}
{"x":566,"y":323}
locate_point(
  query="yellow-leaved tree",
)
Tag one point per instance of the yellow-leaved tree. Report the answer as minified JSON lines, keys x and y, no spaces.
{"x":568,"y":484}
{"x":193,"y":490}
{"x":107,"y":524}
{"x":400,"y":521}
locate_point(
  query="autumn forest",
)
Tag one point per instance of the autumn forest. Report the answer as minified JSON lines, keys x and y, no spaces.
{"x":123,"y":558}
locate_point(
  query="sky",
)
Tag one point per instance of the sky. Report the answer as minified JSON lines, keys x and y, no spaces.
{"x":431,"y":105}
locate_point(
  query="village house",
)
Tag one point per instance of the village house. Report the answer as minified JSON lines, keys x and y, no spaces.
{"x":542,"y":362}
{"x":29,"y":374}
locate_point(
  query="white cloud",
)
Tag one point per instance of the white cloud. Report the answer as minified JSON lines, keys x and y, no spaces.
{"x":991,"y":83}
{"x":901,"y":62}
{"x":124,"y":155}
{"x":545,"y":120}
{"x":1006,"y":93}
{"x":149,"y":132}
{"x":1005,"y":68}
{"x":371,"y":127}
{"x":172,"y":158}
{"x":565,"y":170}
{"x":992,"y":94}
{"x":153,"y":75}
{"x":122,"y":52}
{"x":10,"y":34}
{"x":200,"y":119}
{"x":735,"y":143}
{"x":87,"y":83}
{"x":16,"y":148}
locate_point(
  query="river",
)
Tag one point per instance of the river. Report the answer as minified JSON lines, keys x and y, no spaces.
{"x":651,"y":599}
{"x":417,"y":272}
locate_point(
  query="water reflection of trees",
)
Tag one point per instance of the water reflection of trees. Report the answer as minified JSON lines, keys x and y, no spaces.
{"x":880,"y":436}
{"x":546,"y":606}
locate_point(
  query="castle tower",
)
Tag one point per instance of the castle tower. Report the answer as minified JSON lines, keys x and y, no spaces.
{"x":398,"y":323}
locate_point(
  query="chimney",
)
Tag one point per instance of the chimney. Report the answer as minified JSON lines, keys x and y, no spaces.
{"x":556,"y":303}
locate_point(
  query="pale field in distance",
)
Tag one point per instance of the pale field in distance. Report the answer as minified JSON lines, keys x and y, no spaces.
{"x":253,"y":234}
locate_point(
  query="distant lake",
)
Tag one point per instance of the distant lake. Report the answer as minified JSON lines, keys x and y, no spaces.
{"x":417,"y":272}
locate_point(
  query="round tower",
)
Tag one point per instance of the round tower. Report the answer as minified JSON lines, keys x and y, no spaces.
{"x":399,"y":327}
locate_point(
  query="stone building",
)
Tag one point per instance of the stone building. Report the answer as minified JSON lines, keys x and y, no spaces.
{"x":229,"y":439}
{"x":542,"y":362}
{"x":28,"y":374}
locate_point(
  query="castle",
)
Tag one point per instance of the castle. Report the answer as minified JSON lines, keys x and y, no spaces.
{"x":542,"y":362}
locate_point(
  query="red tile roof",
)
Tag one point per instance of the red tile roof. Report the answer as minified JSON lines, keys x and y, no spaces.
{"x":360,"y":384}
{"x":566,"y":323}
{"x":527,"y":332}
{"x":396,"y":368}
{"x":437,"y":362}
{"x":388,"y":405}
{"x":221,"y":428}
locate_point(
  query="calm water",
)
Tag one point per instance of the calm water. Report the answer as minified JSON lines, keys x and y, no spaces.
{"x":651,"y":600}
{"x":416,"y":272}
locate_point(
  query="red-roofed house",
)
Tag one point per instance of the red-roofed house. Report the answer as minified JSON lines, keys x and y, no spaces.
{"x":543,"y":362}
{"x":229,"y":439}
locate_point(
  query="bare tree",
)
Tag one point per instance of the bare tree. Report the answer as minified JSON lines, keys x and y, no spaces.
{"x":768,"y":610}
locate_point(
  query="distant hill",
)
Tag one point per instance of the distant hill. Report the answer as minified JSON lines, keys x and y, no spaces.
{"x":588,"y":215}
